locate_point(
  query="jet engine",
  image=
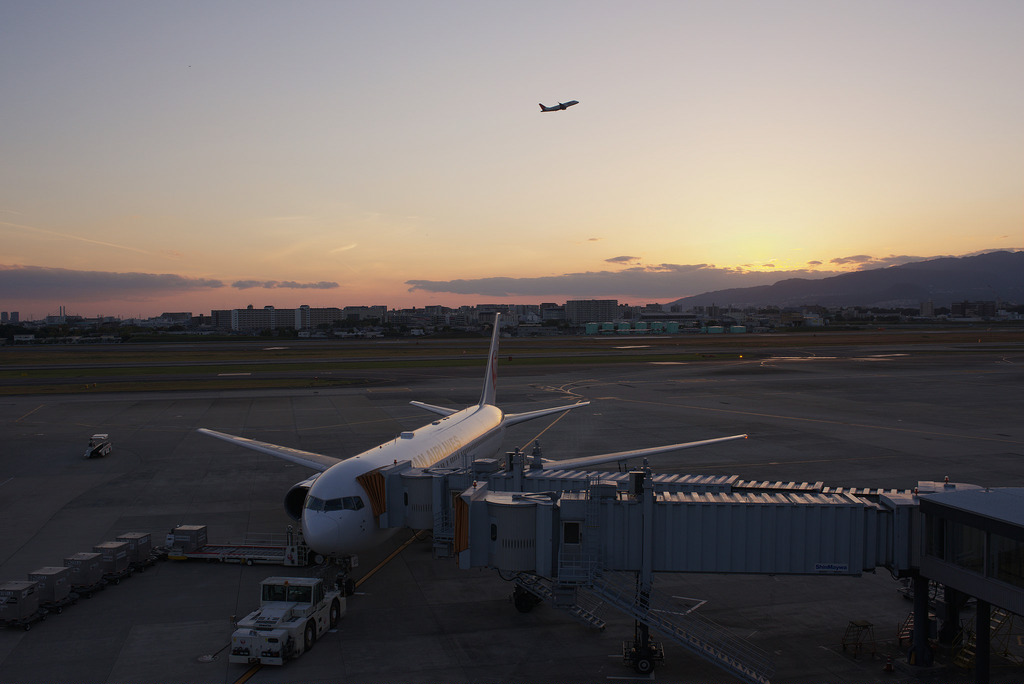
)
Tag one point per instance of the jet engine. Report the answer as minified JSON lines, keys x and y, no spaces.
{"x":296,"y":497}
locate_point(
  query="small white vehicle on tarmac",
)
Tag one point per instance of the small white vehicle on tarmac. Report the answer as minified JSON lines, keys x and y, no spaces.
{"x":294,"y":612}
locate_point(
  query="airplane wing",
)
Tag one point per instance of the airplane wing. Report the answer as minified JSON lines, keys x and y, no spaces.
{"x":587,"y":461}
{"x":317,"y":462}
{"x":439,"y":410}
{"x":516,"y":418}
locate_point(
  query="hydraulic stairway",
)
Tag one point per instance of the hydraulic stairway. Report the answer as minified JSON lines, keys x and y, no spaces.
{"x":577,"y":601}
{"x":696,"y":633}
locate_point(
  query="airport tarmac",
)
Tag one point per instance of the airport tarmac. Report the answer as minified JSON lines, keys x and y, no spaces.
{"x":867,"y":417}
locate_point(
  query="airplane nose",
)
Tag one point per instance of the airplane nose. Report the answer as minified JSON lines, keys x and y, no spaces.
{"x":321,"y":531}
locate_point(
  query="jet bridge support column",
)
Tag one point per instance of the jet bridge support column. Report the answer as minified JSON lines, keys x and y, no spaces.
{"x":919,"y":652}
{"x":982,"y":641}
{"x":645,"y":652}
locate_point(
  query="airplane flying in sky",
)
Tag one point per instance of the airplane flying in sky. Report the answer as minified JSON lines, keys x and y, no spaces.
{"x":334,"y":506}
{"x":559,"y":107}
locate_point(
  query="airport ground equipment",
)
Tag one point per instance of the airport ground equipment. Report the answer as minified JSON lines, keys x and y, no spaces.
{"x":141,"y":553}
{"x":294,"y":612}
{"x":19,"y":604}
{"x":99,"y":446}
{"x":86,"y":573}
{"x":190,"y":542}
{"x":53,"y":585}
{"x":567,"y":536}
{"x":114,"y":559}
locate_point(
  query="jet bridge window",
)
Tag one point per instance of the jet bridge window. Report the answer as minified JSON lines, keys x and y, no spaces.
{"x":1007,"y":557}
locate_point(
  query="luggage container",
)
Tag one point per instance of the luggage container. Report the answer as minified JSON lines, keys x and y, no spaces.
{"x":86,"y":573}
{"x":140,"y":548}
{"x":53,"y":585}
{"x":19,"y":604}
{"x":114,"y":559}
{"x":186,"y":538}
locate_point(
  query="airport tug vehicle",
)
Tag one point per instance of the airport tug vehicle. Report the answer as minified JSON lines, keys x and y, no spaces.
{"x":99,"y":446}
{"x":294,"y":612}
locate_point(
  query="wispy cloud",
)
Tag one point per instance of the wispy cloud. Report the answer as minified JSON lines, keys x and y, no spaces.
{"x":622,"y":260}
{"x":69,"y":236}
{"x":62,"y":284}
{"x":658,"y":281}
{"x":283,"y":284}
{"x":344,"y":248}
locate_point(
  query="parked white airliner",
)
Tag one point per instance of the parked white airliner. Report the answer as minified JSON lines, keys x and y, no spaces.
{"x":334,"y":507}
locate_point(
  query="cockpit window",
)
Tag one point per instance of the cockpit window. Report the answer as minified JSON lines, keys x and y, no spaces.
{"x":345,"y":503}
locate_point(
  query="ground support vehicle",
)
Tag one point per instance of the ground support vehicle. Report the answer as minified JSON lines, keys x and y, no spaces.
{"x":58,"y":606}
{"x":294,"y":612}
{"x":86,"y":573}
{"x":114,"y":561}
{"x":87,"y":590}
{"x":53,"y":587}
{"x":189,"y":542}
{"x":141,"y":553}
{"x":99,"y":446}
{"x":116,"y":577}
{"x":19,"y":604}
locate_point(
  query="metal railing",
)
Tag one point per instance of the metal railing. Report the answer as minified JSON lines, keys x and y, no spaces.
{"x":701,"y":636}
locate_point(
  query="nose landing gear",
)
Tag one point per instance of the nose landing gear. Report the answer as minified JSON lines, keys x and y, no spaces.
{"x":338,"y":571}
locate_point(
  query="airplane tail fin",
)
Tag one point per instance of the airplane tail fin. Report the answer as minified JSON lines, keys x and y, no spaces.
{"x":491,"y":378}
{"x":541,"y":105}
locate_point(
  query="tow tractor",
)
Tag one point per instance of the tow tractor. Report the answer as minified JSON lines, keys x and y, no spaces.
{"x":99,"y":446}
{"x":294,"y":612}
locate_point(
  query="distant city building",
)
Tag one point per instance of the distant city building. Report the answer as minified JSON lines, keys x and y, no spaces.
{"x":362,"y":313}
{"x":3,"y":316}
{"x":549,"y":311}
{"x":177,"y":317}
{"x":251,"y":319}
{"x":582,"y":311}
{"x":311,"y":318}
{"x":973,"y":309}
{"x":928,"y":309}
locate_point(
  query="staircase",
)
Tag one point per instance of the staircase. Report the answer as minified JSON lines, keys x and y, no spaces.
{"x":999,"y":621}
{"x":699,"y":635}
{"x":905,"y":632}
{"x":577,"y":601}
{"x":444,"y":534}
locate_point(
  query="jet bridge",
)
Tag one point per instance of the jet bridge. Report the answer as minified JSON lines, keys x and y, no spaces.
{"x":576,"y":538}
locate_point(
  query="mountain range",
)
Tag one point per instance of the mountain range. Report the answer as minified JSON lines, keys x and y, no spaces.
{"x":994,"y":276}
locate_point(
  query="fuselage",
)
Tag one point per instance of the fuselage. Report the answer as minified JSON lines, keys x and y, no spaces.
{"x":337,"y":518}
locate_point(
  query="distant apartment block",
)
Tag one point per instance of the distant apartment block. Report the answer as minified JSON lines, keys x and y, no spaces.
{"x":973,"y":309}
{"x":582,"y":311}
{"x":251,"y":319}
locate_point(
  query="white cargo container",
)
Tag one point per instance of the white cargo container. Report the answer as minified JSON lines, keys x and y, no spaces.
{"x":53,"y":584}
{"x":19,"y":604}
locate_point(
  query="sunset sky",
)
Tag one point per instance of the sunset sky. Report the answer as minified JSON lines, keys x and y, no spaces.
{"x":186,"y":156}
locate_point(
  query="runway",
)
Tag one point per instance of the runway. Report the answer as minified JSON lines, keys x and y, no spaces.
{"x":851,"y":416}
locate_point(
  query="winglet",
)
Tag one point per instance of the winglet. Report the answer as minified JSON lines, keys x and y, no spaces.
{"x":491,"y":377}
